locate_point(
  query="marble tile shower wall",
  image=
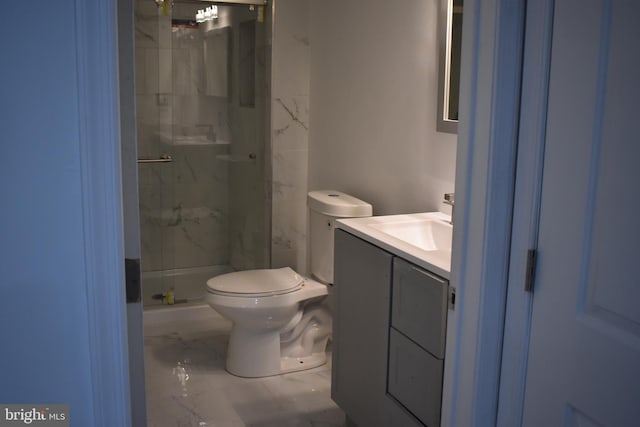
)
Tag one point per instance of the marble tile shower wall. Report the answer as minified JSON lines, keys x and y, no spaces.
{"x":249,"y":218}
{"x":179,"y":220}
{"x":290,"y":133}
{"x":184,"y":205}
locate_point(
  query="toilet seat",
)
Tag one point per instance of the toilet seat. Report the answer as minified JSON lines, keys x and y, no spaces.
{"x":256,"y":283}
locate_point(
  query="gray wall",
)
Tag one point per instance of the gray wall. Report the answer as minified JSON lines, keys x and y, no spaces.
{"x":373,"y":101}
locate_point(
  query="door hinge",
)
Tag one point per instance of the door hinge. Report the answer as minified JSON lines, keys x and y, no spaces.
{"x":530,"y":270}
{"x":132,"y":280}
{"x":452,"y":298}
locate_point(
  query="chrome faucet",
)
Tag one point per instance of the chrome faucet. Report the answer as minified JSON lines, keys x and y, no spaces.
{"x":449,"y":199}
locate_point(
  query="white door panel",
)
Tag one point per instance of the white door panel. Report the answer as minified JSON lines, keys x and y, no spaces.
{"x":584,"y":359}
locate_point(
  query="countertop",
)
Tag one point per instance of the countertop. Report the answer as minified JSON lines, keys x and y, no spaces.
{"x":436,"y":261}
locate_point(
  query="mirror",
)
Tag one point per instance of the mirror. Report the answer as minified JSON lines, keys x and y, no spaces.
{"x":449,"y":45}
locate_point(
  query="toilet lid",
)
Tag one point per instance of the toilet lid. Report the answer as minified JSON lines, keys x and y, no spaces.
{"x":256,"y":282}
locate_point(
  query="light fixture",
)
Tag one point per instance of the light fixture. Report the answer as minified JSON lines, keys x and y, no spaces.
{"x":208,"y":14}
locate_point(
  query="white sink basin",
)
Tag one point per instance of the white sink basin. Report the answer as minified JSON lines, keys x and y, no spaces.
{"x":422,"y":238}
{"x":427,"y":234}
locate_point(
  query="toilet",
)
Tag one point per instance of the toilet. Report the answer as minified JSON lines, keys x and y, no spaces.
{"x":281,"y":319}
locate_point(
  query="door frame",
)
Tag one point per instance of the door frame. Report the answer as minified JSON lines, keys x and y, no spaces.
{"x":130,"y":206}
{"x":99,"y":129}
{"x":493,"y":34}
{"x":528,"y":187}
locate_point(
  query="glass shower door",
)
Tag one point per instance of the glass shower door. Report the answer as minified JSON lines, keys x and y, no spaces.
{"x":204,"y":103}
{"x":155,"y":166}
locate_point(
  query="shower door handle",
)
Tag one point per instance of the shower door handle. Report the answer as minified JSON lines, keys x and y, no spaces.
{"x":165,"y":158}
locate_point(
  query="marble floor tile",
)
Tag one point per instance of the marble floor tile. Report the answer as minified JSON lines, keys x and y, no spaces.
{"x":187,"y":384}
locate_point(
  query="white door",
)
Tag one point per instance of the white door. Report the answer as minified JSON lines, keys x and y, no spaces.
{"x":584,"y":351}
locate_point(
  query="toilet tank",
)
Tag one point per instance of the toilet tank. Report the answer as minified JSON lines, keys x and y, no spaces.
{"x":325,"y":206}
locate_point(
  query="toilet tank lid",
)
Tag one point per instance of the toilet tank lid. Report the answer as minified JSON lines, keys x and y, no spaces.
{"x":264,"y":281}
{"x":337,"y":204}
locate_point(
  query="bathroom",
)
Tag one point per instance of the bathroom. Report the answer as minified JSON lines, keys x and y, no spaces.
{"x":321,"y":61}
{"x":353,"y":106}
{"x":367,"y":130}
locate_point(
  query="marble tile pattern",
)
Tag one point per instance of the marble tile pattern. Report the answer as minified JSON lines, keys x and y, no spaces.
{"x":187,"y":385}
{"x":249,"y":226}
{"x":193,"y":214}
{"x":290,"y":134}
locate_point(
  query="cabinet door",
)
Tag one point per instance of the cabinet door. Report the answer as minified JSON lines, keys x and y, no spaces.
{"x":415,"y":378}
{"x":420,"y":306}
{"x":360,"y":328}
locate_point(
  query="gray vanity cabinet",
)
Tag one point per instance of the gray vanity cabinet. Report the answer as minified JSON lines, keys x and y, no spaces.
{"x":362,"y":292}
{"x":389,"y":337}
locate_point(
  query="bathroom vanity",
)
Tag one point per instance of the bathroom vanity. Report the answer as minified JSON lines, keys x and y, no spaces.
{"x":390,"y":318}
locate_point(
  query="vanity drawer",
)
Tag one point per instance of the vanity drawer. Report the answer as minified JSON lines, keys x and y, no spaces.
{"x":419,"y":306}
{"x":415,"y":378}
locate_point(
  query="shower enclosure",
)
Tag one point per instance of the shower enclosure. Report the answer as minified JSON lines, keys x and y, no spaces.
{"x":202,"y":91}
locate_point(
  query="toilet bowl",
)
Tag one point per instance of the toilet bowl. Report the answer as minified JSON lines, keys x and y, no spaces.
{"x":281,"y":321}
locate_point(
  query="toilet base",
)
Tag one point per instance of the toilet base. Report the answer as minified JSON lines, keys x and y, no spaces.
{"x":294,"y":364}
{"x":287,"y":365}
{"x":254,"y":354}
